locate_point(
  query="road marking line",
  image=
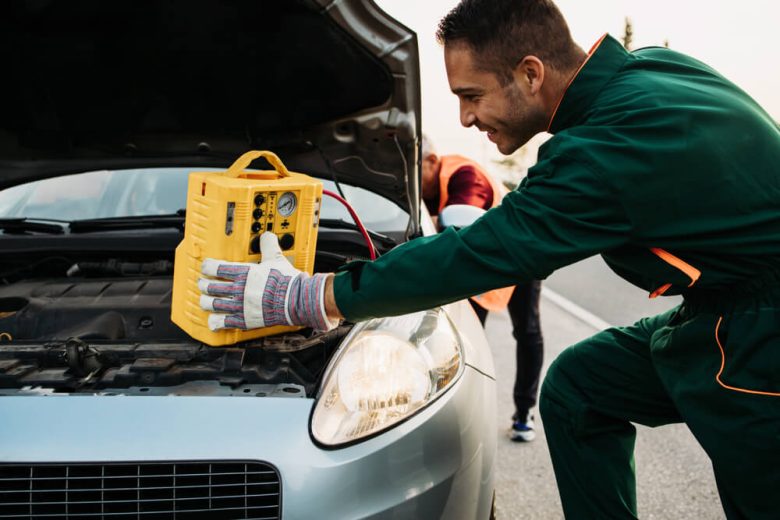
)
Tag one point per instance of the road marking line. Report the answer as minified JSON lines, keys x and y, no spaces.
{"x":575,"y":310}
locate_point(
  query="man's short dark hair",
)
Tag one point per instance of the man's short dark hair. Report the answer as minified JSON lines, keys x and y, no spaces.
{"x":502,"y":32}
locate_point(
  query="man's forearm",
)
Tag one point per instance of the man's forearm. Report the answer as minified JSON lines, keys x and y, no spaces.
{"x":420,"y":274}
{"x":331,"y":309}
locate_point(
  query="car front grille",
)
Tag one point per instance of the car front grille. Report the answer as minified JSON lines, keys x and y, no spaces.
{"x":150,"y":491}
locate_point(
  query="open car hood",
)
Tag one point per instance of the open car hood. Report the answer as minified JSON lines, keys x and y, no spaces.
{"x":331,"y":86}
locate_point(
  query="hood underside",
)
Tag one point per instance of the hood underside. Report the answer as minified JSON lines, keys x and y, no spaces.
{"x":90,"y":84}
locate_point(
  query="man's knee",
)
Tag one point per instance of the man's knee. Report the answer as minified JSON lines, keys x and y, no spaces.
{"x":565,"y":399}
{"x":557,"y":387}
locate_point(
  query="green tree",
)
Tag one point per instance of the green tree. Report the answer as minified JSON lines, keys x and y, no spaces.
{"x":628,"y":34}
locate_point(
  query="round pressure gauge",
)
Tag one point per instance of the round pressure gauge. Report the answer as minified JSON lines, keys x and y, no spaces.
{"x":287,"y":204}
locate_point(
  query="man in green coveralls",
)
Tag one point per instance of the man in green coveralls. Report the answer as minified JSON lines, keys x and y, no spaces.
{"x":659,"y":164}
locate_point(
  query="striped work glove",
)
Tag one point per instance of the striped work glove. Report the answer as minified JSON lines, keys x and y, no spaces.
{"x":272,"y":292}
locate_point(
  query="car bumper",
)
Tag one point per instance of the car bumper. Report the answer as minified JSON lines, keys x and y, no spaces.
{"x":438,"y":464}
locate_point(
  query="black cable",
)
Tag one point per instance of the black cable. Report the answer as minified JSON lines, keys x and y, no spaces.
{"x":408,"y":233}
{"x":28,"y":267}
{"x":331,"y":169}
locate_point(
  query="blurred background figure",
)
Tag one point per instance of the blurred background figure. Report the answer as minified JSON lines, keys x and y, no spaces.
{"x":453,"y":183}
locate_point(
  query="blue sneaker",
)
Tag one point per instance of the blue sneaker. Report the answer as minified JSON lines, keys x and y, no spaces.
{"x":522,"y":429}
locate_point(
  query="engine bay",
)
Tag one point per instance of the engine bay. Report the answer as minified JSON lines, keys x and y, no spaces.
{"x":99,"y":323}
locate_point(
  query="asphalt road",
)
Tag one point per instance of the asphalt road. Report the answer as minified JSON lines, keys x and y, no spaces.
{"x":674,"y":477}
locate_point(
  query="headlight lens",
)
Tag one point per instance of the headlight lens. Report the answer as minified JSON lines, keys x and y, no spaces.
{"x":385,"y":371}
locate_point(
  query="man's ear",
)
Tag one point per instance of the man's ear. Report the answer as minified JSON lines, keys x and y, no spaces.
{"x":529,"y":72}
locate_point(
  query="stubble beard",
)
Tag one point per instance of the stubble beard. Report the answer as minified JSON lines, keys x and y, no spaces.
{"x":522,"y":122}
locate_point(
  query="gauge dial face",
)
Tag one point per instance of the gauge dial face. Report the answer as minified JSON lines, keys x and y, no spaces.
{"x":287,"y":204}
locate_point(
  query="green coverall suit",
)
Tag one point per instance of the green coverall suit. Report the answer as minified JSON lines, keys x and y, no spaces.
{"x":672,"y":174}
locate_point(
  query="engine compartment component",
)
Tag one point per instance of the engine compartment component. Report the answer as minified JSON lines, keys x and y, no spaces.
{"x":194,"y":388}
{"x":77,"y":366}
{"x":113,"y":309}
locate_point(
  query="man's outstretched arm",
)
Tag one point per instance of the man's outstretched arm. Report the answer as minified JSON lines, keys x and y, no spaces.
{"x":563,"y":214}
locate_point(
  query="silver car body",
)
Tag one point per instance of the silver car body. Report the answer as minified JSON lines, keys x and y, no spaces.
{"x":438,"y":464}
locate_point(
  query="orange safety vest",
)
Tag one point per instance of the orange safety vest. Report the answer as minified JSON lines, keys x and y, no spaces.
{"x":497,"y":299}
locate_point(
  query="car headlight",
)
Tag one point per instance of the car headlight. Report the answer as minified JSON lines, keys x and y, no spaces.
{"x":385,"y":371}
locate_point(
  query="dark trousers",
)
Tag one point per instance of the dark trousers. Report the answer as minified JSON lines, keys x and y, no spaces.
{"x":526,"y":328}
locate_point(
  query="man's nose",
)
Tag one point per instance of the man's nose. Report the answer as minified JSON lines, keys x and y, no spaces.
{"x":467,"y":117}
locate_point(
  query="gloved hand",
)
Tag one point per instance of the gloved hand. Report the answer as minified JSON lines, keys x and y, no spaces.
{"x":272,"y":292}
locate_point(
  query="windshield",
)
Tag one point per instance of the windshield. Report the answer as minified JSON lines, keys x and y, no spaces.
{"x":160,"y":191}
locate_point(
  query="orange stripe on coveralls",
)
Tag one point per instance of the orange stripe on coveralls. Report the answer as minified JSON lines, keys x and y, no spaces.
{"x":723,"y":365}
{"x":658,"y":292}
{"x":685,"y":267}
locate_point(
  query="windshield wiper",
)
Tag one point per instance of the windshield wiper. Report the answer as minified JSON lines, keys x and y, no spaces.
{"x":26,"y":225}
{"x":334,"y":223}
{"x":121,"y":223}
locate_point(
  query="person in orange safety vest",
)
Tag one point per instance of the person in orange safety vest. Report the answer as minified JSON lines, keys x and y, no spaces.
{"x":453,"y":179}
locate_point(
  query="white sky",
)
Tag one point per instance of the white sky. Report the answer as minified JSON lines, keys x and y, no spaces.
{"x":739,"y":39}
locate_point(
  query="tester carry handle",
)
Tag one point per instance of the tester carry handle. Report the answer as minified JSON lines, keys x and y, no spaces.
{"x":238,"y":167}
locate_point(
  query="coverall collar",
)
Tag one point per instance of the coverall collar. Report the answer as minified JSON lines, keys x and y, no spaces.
{"x":603,"y":62}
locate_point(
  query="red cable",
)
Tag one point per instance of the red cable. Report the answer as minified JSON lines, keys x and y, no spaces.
{"x":358,"y":223}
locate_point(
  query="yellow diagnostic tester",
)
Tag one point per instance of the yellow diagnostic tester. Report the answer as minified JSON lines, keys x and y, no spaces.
{"x":226,"y":214}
